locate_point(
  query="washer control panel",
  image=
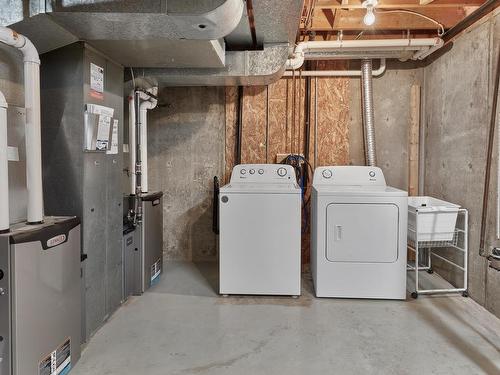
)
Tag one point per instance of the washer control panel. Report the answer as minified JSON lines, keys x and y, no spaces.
{"x":264,"y":173}
{"x":349,"y":175}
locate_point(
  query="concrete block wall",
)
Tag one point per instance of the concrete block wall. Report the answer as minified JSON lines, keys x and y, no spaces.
{"x":186,"y":150}
{"x":458,"y":96}
{"x":391,"y":103}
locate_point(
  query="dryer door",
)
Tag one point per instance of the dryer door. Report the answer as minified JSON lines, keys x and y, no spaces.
{"x":362,"y":232}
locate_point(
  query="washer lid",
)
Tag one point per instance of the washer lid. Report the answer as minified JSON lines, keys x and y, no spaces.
{"x":260,"y":188}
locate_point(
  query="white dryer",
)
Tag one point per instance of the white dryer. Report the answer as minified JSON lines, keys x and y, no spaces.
{"x":358,"y":239}
{"x":260,"y":230}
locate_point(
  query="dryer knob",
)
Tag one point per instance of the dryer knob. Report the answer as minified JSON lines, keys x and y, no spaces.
{"x":327,"y":173}
{"x":372,"y":173}
{"x":281,"y":172}
{"x":243,"y":171}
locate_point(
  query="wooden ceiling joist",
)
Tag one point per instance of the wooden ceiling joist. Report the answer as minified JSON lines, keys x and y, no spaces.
{"x":353,"y":20}
{"x":422,"y":17}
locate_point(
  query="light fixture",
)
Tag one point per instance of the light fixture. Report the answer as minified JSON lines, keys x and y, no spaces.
{"x":369,"y":18}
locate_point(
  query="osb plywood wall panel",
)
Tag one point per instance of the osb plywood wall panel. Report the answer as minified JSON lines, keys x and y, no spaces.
{"x":277,"y":124}
{"x":231,"y":131}
{"x":274,"y":122}
{"x":254,"y":125}
{"x":333,"y":139}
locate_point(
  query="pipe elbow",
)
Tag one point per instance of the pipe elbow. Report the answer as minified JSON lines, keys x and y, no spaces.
{"x":296,"y":61}
{"x":30,"y":53}
{"x":23,"y":44}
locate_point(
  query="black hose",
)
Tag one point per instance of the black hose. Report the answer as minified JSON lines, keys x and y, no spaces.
{"x":215,"y":208}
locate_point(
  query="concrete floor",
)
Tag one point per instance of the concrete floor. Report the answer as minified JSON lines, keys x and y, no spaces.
{"x":181,"y":326}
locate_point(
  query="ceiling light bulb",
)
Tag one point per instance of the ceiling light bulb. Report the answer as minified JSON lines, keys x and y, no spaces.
{"x":369,"y":18}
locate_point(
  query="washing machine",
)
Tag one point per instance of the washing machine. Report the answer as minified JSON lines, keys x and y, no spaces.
{"x":358,"y":239}
{"x":260,"y":230}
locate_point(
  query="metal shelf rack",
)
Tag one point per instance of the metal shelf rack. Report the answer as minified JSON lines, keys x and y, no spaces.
{"x":425,"y":251}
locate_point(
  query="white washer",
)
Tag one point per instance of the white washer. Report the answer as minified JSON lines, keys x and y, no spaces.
{"x":358,"y":239}
{"x":260,"y":230}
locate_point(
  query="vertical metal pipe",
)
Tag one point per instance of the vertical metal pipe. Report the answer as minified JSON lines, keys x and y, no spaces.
{"x":368,"y":114}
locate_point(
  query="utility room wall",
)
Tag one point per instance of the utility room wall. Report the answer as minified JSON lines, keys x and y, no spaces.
{"x":274,"y":122}
{"x":186,"y":150}
{"x":459,"y":88}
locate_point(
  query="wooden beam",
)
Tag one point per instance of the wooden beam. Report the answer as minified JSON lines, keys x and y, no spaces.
{"x":400,"y":4}
{"x":353,"y":20}
{"x":488,"y":7}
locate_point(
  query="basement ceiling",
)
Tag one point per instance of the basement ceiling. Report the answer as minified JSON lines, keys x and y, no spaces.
{"x":329,"y":19}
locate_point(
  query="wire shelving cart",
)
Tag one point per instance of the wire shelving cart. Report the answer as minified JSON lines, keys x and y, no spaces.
{"x":427,"y":248}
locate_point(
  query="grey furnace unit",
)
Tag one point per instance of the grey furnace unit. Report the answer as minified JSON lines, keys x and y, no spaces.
{"x":143,"y":244}
{"x":82,"y":141}
{"x":40,"y":322}
{"x":131,"y":257}
{"x":151,"y":230}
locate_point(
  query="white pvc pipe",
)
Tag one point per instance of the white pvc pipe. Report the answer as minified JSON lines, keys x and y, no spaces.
{"x":147,"y":104}
{"x":336,"y":73}
{"x":33,"y":120}
{"x":4,"y":167}
{"x":303,"y":48}
{"x":144,"y":107}
{"x":131,"y":140}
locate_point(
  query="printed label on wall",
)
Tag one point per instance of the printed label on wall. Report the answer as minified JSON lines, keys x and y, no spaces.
{"x":114,"y":139}
{"x":96,"y":78}
{"x":155,"y":271}
{"x":103,"y":127}
{"x":58,"y":362}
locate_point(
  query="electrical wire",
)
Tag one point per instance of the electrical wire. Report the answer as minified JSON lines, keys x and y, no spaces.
{"x":440,"y":25}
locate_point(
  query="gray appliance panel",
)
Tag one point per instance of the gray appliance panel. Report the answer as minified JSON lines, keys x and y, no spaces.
{"x":86,"y":184}
{"x":131,"y":273}
{"x":18,"y":193}
{"x":44,"y":299}
{"x":152,"y":229}
{"x":5,"y":307}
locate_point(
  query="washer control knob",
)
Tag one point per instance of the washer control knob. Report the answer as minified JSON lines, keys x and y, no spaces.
{"x":243,"y":171}
{"x":252,"y":171}
{"x":327,"y":173}
{"x":281,"y":172}
{"x":2,"y":291}
{"x":372,"y":173}
{"x":261,"y":171}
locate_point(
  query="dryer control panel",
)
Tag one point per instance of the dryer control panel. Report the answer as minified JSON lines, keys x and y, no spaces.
{"x":263,"y":173}
{"x":349,"y":176}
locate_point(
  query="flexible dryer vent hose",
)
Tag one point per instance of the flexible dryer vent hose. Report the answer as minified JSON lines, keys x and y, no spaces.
{"x":368,"y":115}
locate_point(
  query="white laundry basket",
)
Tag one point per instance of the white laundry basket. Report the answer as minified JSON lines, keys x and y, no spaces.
{"x":436,"y":219}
